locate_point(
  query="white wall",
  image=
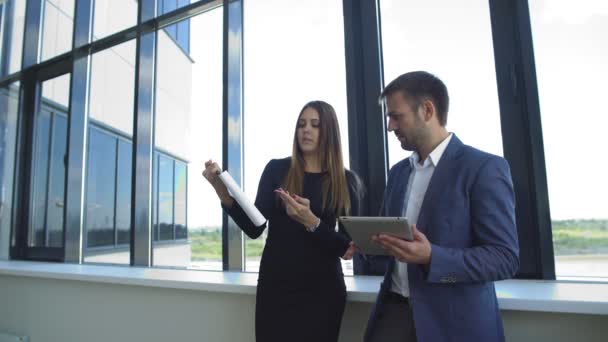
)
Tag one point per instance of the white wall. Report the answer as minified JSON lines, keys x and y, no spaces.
{"x":73,"y":311}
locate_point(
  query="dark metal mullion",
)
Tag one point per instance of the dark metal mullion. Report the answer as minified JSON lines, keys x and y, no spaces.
{"x":365,"y":80}
{"x":22,"y":197}
{"x":232,"y":151}
{"x":143,"y":139}
{"x":522,"y":135}
{"x":76,"y":168}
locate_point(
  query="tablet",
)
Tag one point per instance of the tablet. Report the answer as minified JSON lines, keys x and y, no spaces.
{"x":362,"y":228}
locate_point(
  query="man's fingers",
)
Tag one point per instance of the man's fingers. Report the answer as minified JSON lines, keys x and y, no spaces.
{"x":399,"y":248}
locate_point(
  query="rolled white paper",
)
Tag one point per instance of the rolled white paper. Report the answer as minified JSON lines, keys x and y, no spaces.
{"x":235,"y":191}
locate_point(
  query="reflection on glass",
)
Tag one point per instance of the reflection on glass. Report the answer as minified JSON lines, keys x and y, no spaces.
{"x":179,"y":32}
{"x":109,"y":155}
{"x":312,"y":34}
{"x":9,"y":106}
{"x":111,"y":16}
{"x":165,"y":198}
{"x":41,"y":165}
{"x":181,"y":183}
{"x":48,"y":165}
{"x":12,"y":22}
{"x":123,"y":191}
{"x":571,"y":53}
{"x":188,"y":132}
{"x":56,"y":195}
{"x":57,"y":27}
{"x":155,"y":227}
{"x":459,"y":52}
{"x":101,"y":178}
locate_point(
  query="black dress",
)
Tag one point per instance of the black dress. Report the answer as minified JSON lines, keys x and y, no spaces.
{"x":301,"y":293}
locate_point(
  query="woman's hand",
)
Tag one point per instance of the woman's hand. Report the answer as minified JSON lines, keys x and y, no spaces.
{"x":211,"y":173}
{"x":298,"y":208}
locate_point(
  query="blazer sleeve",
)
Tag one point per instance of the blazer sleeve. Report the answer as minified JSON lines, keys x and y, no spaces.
{"x":338,"y":242}
{"x":495,"y":251}
{"x":264,"y":201}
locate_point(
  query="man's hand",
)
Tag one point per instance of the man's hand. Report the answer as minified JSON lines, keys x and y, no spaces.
{"x":417,"y":251}
{"x":352,"y":248}
{"x":298,"y":208}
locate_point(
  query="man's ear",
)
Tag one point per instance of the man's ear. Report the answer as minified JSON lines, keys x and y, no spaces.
{"x":428,"y":110}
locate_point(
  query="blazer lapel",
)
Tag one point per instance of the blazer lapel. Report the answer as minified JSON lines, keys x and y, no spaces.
{"x":441,"y":176}
{"x":398,"y":193}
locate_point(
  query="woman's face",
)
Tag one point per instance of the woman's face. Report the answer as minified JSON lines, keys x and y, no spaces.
{"x":308,"y":131}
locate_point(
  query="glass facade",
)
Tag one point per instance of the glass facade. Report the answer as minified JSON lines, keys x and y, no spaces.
{"x":186,"y":211}
{"x":146,"y":110}
{"x":571,"y":66}
{"x":49,"y":165}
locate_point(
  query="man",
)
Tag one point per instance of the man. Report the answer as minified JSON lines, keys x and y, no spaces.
{"x":460,"y":201}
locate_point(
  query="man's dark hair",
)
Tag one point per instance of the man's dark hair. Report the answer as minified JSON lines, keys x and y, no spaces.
{"x":418,"y":86}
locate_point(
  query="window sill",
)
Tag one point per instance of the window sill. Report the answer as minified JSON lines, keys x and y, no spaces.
{"x":521,"y":295}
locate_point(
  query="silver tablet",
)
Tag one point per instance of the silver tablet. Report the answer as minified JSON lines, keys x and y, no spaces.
{"x":362,"y":228}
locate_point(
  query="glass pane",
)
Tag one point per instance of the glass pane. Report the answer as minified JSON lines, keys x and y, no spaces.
{"x":112,"y":16}
{"x":9,"y":108}
{"x":155,"y":225}
{"x":124,"y":171}
{"x":109,"y":155}
{"x":181,"y":182}
{"x":57,"y":28}
{"x":165,"y":197}
{"x":571,"y":53}
{"x":55,"y":204}
{"x":188,"y":133}
{"x":459,"y":52}
{"x":310,"y":34}
{"x":11,"y":35}
{"x":48,"y":165}
{"x":100,"y":193}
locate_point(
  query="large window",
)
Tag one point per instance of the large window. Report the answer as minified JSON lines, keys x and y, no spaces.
{"x":109,"y":155}
{"x":571,"y":53}
{"x":48,"y":181}
{"x":9,"y":106}
{"x":459,"y":51}
{"x":187,"y":212}
{"x":290,"y":60}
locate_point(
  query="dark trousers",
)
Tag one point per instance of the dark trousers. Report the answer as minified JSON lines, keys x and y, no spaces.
{"x":394,"y":322}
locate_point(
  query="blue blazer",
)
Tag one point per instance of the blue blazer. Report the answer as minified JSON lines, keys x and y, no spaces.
{"x":468,"y":215}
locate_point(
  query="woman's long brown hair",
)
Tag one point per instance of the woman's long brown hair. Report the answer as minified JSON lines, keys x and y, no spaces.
{"x":335,"y":185}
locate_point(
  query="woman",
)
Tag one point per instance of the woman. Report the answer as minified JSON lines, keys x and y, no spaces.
{"x":301,"y":293}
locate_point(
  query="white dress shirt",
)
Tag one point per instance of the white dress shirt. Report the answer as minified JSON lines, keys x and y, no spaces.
{"x":419,"y":180}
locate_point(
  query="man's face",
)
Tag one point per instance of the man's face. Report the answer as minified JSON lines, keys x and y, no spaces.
{"x":406,"y":120}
